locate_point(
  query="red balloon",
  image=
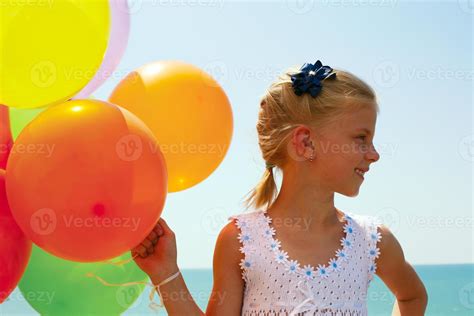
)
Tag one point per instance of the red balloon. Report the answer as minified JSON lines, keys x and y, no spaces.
{"x":86,"y":180}
{"x":15,"y":248}
{"x":6,"y":140}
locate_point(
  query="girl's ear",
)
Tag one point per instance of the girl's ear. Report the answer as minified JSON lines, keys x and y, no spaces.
{"x":302,"y":140}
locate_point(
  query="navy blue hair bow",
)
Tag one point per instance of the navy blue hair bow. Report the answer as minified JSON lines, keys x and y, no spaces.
{"x":308,"y":80}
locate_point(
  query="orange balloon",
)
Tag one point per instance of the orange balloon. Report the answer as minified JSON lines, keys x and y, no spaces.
{"x":85,"y":180}
{"x":188,"y":112}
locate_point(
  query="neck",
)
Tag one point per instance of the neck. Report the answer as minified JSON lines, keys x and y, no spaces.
{"x":314,"y":204}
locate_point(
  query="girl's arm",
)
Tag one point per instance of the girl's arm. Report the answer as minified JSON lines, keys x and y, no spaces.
{"x":400,"y":277}
{"x":158,"y":259}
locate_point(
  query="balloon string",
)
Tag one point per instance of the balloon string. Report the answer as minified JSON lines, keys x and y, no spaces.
{"x":154,"y":290}
{"x":121,"y":262}
{"x":154,"y":306}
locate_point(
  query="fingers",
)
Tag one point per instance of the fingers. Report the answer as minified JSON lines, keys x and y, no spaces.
{"x":158,"y":230}
{"x":153,"y":237}
{"x":166,"y":229}
{"x":147,"y":246}
{"x":141,"y":250}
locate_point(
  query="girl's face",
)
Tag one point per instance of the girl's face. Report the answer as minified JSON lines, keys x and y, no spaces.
{"x":344,"y":147}
{"x":339,"y":149}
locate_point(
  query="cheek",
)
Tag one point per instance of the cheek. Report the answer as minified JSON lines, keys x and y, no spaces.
{"x":336,"y":166}
{"x":347,"y":155}
{"x":337,"y":159}
{"x":353,"y":154}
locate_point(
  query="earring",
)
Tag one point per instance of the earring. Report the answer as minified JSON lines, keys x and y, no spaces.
{"x":307,"y":142}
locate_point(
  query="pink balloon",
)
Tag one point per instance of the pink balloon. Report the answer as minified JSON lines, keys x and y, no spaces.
{"x":119,"y":31}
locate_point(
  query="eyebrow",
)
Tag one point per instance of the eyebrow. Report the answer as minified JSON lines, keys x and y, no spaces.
{"x":365,"y":130}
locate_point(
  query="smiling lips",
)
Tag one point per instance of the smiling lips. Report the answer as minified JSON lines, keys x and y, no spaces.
{"x":361,"y":172}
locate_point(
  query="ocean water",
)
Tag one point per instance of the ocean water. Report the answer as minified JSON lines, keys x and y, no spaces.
{"x":450,"y":290}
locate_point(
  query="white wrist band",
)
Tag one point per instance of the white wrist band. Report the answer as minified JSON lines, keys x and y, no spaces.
{"x":157,"y":287}
{"x":169,"y":279}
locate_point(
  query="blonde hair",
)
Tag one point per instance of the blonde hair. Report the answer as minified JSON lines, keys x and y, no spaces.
{"x":281,"y":110}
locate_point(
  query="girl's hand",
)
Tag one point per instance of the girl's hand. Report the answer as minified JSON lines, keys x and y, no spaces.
{"x":157,"y":254}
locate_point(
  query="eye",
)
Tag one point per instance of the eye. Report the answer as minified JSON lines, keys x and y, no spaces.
{"x":362,"y":137}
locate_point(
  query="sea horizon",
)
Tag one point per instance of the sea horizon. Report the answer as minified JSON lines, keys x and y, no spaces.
{"x":450,"y":292}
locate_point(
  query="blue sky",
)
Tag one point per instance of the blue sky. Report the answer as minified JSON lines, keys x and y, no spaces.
{"x":416,"y":55}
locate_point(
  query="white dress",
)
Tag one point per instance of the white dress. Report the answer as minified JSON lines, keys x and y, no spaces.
{"x":275,"y":284}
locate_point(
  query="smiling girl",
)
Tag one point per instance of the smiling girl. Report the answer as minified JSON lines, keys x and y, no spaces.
{"x":316,"y":125}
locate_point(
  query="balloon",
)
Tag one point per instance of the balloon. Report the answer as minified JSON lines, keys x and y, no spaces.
{"x":86,"y":180}
{"x":6,"y":141}
{"x":66,"y":290}
{"x":119,"y":30}
{"x":188,"y":112}
{"x":19,"y":118}
{"x":15,"y":248}
{"x":50,"y":49}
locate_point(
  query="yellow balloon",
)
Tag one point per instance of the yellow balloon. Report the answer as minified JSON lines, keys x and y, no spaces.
{"x":49,"y":49}
{"x":188,"y":112}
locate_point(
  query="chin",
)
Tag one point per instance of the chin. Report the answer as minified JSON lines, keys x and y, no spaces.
{"x":349,"y":193}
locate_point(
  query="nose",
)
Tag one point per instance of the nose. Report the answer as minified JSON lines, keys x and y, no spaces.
{"x":372,"y":154}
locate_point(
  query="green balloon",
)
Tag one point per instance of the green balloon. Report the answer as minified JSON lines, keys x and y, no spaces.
{"x":19,"y":118}
{"x":54,"y":286}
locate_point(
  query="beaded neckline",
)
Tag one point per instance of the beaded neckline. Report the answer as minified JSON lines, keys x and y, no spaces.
{"x":308,"y":271}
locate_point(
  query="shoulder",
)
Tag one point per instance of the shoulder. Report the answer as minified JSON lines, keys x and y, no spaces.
{"x":391,"y":252}
{"x":228,"y":238}
{"x":368,"y":223}
{"x":230,"y":232}
{"x":382,"y":236}
{"x":394,"y":270}
{"x":233,"y":236}
{"x":227,"y":275}
{"x":363,"y":223}
{"x":384,"y":248}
